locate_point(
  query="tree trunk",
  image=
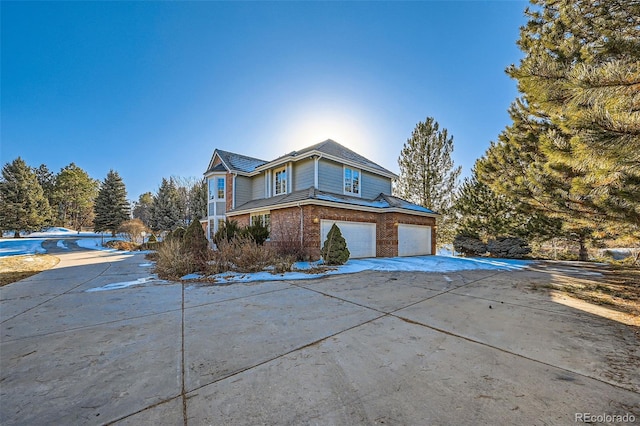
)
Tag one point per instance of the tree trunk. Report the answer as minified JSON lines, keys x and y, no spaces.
{"x":16,"y":234}
{"x":583,"y":254}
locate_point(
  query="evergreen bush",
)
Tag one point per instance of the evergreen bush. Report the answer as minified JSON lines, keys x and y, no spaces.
{"x":226,"y":232}
{"x":469,"y":244}
{"x":257,"y":232}
{"x":335,"y":251}
{"x":508,"y":247}
{"x":195,"y":243}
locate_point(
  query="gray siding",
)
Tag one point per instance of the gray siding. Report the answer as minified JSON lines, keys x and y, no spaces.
{"x":244,"y":190}
{"x":303,"y":174}
{"x":330,"y":176}
{"x":257,"y":187}
{"x":373,"y":185}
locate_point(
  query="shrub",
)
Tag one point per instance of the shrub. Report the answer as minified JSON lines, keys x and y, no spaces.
{"x":173,"y":261}
{"x":509,"y":247}
{"x":226,"y":232}
{"x":258,"y":232}
{"x":469,"y":244}
{"x":132,"y":229}
{"x":242,"y":254}
{"x":177,"y":233}
{"x":152,"y":239}
{"x":335,"y":251}
{"x":196,"y":244}
{"x":121,"y":245}
{"x":286,"y":241}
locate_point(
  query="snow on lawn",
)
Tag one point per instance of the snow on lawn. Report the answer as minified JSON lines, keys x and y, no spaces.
{"x":388,"y":264}
{"x":19,"y":246}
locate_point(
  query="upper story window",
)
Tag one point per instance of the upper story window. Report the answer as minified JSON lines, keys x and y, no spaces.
{"x":280,"y":181}
{"x":216,"y":188}
{"x":351,"y":181}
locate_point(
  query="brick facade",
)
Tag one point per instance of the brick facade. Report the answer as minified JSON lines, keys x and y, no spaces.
{"x":286,"y":226}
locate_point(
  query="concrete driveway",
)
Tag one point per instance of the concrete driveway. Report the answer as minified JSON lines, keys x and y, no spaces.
{"x":475,"y":347}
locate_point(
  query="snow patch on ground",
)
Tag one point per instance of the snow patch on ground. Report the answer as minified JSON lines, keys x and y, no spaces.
{"x":392,"y":264}
{"x":62,"y":245}
{"x":118,"y":286}
{"x":20,"y":246}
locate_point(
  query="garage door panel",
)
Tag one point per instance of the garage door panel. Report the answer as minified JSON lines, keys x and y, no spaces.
{"x":414,"y":240}
{"x":360,"y":236}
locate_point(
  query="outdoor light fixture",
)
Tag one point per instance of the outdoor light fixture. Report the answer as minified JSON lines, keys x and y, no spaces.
{"x":316,"y":220}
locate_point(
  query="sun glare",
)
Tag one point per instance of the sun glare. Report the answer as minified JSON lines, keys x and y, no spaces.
{"x":310,"y":127}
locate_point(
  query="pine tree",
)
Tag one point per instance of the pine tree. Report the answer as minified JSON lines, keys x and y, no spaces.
{"x":427,"y":173}
{"x":47,"y":181}
{"x":198,"y":200}
{"x":581,"y":76}
{"x":334,"y":250}
{"x":165,"y":210}
{"x":142,"y":208}
{"x":74,"y":194}
{"x":24,"y":206}
{"x":482,"y":212}
{"x":111,"y":206}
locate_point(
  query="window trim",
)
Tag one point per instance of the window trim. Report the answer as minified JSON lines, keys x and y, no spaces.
{"x":214,"y":189}
{"x":344,"y":181}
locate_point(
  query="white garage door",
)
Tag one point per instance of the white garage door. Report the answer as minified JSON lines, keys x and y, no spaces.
{"x":414,"y":240}
{"x":360,"y":237}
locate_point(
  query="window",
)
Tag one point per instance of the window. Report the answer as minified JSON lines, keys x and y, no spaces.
{"x":261,"y":217}
{"x":280,"y":181}
{"x":216,"y":188}
{"x":351,"y":181}
{"x":220,"y":188}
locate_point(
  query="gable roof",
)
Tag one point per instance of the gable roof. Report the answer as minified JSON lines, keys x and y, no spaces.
{"x":234,"y":162}
{"x":314,"y":196}
{"x":332,"y":150}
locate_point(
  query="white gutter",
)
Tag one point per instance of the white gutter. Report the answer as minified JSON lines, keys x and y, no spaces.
{"x":233,"y":191}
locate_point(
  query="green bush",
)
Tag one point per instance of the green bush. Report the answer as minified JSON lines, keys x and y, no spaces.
{"x":335,"y":251}
{"x":227,"y":231}
{"x":152,"y":239}
{"x":257,"y":232}
{"x":469,"y":244}
{"x":508,"y":247}
{"x":196,"y":244}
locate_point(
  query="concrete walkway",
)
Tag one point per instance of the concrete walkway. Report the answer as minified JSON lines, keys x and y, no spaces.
{"x":476,"y":347}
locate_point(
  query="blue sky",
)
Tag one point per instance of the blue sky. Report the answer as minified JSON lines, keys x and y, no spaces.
{"x":149,"y":89}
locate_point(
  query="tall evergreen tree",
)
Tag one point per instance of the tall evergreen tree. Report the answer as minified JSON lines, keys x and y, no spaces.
{"x":24,"y":206}
{"x":198,"y":200}
{"x":111,"y":206}
{"x":573,"y":150}
{"x":142,"y":208}
{"x":582,"y":69}
{"x":165,"y":210}
{"x":428,"y":176}
{"x":74,"y":194}
{"x":47,"y":180}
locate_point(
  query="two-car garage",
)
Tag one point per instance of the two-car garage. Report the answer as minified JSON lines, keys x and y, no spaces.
{"x":413,"y":240}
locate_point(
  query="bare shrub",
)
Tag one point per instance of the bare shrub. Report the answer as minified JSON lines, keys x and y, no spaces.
{"x":174,"y":261}
{"x":242,"y":254}
{"x":121,"y":245}
{"x":286,"y":241}
{"x":133,"y":229}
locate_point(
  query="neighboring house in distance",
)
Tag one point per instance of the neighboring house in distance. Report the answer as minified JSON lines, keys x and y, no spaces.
{"x":301,"y":194}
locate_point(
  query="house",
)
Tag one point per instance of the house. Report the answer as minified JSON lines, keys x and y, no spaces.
{"x":301,"y":194}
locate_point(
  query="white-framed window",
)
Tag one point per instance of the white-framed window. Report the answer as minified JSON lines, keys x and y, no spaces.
{"x":280,"y":181}
{"x":217,"y":188}
{"x":220,"y":188}
{"x":261,"y":217}
{"x":351,"y":181}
